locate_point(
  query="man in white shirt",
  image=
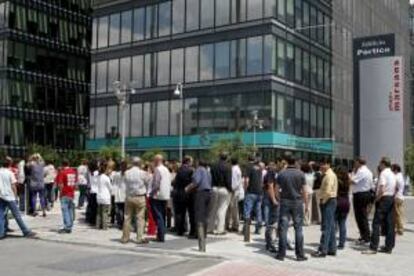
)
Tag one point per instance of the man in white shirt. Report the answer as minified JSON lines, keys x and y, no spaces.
{"x":49,"y":179}
{"x":362,"y":185}
{"x":160,"y":194}
{"x":232,"y":217}
{"x":384,"y":209}
{"x":103,"y":197}
{"x":8,"y":200}
{"x":136,"y":182}
{"x":399,"y":199}
{"x":83,"y":173}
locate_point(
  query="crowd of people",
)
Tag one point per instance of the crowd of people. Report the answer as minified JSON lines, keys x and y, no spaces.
{"x":198,"y":198}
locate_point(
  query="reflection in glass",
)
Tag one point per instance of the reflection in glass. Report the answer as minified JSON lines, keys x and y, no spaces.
{"x":164,"y":18}
{"x":254,"y":55}
{"x":125,"y":70}
{"x":270,"y":54}
{"x":192,"y":15}
{"x":100,"y":125}
{"x":103,"y":32}
{"x":177,"y":66}
{"x":191,"y":64}
{"x":126,"y":26}
{"x":136,"y":120}
{"x":207,"y":14}
{"x":206,"y":62}
{"x":114,"y":29}
{"x":139,"y":24}
{"x":137,"y":71}
{"x":254,"y":9}
{"x":113,"y":73}
{"x":162,"y":118}
{"x":222,"y":12}
{"x":163,"y":76}
{"x":178,"y":8}
{"x":222,"y":62}
{"x":101,"y":76}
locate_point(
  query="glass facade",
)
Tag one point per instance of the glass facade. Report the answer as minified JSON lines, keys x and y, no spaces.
{"x":45,"y":58}
{"x":228,"y":69}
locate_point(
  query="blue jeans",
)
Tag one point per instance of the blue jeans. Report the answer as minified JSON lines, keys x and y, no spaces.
{"x":67,"y":206}
{"x":12,"y":206}
{"x":33,"y":198}
{"x":253,"y":202}
{"x":158,"y":208}
{"x":328,"y":239}
{"x":291,"y":209}
{"x":270,"y":215}
{"x":383,"y":217}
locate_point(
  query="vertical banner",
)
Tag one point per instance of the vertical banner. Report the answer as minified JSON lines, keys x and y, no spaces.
{"x":381,"y":109}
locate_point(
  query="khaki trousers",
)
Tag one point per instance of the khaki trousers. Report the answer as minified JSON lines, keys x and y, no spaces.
{"x":399,"y":216}
{"x":134,"y":206}
{"x":232,"y":216}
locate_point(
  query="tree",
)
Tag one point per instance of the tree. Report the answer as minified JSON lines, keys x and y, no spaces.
{"x":110,"y":152}
{"x":234,"y":147}
{"x":409,"y":162}
{"x":47,"y":152}
{"x":149,"y":154}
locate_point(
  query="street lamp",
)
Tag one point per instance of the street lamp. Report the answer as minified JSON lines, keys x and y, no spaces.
{"x":122,"y":96}
{"x":178,"y":92}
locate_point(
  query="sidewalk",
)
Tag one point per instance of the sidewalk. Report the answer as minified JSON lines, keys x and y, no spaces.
{"x":239,"y":258}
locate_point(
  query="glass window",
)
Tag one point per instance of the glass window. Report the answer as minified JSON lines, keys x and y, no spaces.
{"x":320,"y":30}
{"x":100,"y":125}
{"x":125,"y":70}
{"x":298,"y":117}
{"x":139,"y":24}
{"x":112,"y":121}
{"x":126,"y":29}
{"x":306,"y":17}
{"x":101,"y":77}
{"x":270,"y":54}
{"x":207,"y":14}
{"x":281,"y":10}
{"x":137,"y":71}
{"x":290,"y":66}
{"x":281,"y":65}
{"x":206,"y":62}
{"x":327,"y":124}
{"x":151,"y":21}
{"x":222,"y":12}
{"x":113,"y":73}
{"x":94,"y":33}
{"x":280,"y":126}
{"x":313,"y":22}
{"x":327,"y":29}
{"x":241,"y":61}
{"x":136,"y":120}
{"x":103,"y":32}
{"x":233,"y":58}
{"x":162,"y":118}
{"x":254,"y":9}
{"x":270,"y":8}
{"x":114,"y":27}
{"x":290,"y":12}
{"x":320,"y":74}
{"x":93,"y":78}
{"x":178,"y":18}
{"x":92,"y":123}
{"x":191,"y":116}
{"x":254,"y":55}
{"x":313,"y":121}
{"x":306,"y":119}
{"x":289,"y":114}
{"x":327,"y":77}
{"x":177,"y":66}
{"x":163,"y":76}
{"x":146,"y":119}
{"x":148,"y":70}
{"x":306,"y":68}
{"x":320,"y":121}
{"x":238,"y":11}
{"x":298,"y":13}
{"x":222,"y":62}
{"x":191,"y":64}
{"x":298,"y":64}
{"x":175,"y":117}
{"x":314,"y":71}
{"x":164,"y":18}
{"x":192,"y":15}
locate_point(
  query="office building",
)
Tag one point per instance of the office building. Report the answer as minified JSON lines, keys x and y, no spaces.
{"x":45,"y":73}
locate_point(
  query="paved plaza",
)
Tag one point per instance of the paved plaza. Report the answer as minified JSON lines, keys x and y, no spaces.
{"x":94,"y":252}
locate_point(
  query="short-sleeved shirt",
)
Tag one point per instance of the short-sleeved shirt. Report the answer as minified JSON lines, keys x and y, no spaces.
{"x":254,"y":174}
{"x":7,"y":179}
{"x":67,"y":178}
{"x":291,"y":183}
{"x":202,"y":179}
{"x":388,"y":180}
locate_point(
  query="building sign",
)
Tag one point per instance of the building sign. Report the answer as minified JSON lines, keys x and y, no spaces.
{"x":374,"y":46}
{"x":381,"y":109}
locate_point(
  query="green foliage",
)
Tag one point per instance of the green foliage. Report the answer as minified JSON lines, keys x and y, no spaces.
{"x":149,"y":155}
{"x":235,"y":147}
{"x":47,"y":152}
{"x":3,"y":154}
{"x":409,"y":161}
{"x":110,"y":152}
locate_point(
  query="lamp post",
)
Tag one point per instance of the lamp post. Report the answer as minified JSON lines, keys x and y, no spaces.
{"x":178,"y":92}
{"x":122,"y":96}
